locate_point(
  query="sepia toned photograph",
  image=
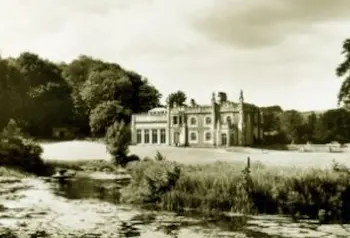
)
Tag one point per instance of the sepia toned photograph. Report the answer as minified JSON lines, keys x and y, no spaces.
{"x":174,"y":118}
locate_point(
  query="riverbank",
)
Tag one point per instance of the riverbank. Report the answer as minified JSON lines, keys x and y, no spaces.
{"x":223,"y":187}
{"x":30,"y":208}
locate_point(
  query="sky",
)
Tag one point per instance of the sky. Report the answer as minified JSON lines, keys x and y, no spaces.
{"x":278,"y":51}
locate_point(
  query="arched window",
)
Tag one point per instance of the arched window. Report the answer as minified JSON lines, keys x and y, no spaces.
{"x":208,"y":120}
{"x":228,"y":120}
{"x":208,"y":136}
{"x":193,"y":121}
{"x":193,"y":136}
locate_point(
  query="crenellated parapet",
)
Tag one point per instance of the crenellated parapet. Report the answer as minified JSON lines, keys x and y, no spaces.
{"x":229,"y":106}
{"x":199,"y":109}
{"x":191,"y":109}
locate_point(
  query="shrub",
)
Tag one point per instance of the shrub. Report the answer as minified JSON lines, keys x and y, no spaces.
{"x":151,"y":180}
{"x":20,"y":153}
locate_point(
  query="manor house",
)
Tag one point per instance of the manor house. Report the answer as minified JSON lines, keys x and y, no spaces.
{"x":220,"y":124}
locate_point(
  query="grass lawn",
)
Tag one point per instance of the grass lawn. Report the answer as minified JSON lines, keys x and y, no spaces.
{"x":85,"y":150}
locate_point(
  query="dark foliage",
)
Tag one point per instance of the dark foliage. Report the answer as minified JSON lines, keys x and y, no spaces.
{"x":19,"y":153}
{"x":43,"y":96}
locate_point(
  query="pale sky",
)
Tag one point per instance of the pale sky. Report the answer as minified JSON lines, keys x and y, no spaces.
{"x":278,"y":51}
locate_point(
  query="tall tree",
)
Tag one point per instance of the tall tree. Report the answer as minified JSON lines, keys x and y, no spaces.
{"x":49,"y":103}
{"x":179,"y":98}
{"x":334,"y":125}
{"x":76,"y":73}
{"x":311,"y":124}
{"x":12,"y":93}
{"x":271,"y":118}
{"x":343,"y":70}
{"x":293,"y":125}
{"x":105,"y":114}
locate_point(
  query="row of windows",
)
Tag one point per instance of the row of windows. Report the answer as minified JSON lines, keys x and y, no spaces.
{"x":208,"y":137}
{"x":193,"y":120}
{"x":194,"y":135}
{"x":154,"y":136}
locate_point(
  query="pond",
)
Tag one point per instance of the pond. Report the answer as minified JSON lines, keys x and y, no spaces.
{"x":148,"y":223}
{"x":90,"y":208}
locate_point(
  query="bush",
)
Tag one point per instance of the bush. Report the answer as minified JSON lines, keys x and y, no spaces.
{"x":19,"y":153}
{"x":151,"y":180}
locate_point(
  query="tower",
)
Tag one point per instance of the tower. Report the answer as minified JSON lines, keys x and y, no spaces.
{"x":168,"y":131}
{"x":214,"y":119}
{"x":241,"y":123}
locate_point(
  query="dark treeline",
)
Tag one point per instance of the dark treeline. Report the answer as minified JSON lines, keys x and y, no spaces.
{"x":291,"y":126}
{"x":85,"y":96}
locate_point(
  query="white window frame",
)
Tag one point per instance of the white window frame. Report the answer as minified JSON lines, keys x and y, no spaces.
{"x":190,"y":119}
{"x":190,"y":137}
{"x":205,"y":136}
{"x":205,"y":120}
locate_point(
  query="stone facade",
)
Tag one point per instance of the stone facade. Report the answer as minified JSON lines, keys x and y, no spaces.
{"x":217,"y":125}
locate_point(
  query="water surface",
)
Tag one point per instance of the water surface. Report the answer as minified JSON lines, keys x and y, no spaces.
{"x":135,"y":222}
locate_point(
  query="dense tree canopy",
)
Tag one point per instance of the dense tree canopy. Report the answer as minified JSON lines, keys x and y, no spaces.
{"x":105,"y":114}
{"x":41,"y":95}
{"x":271,"y":118}
{"x":293,"y":126}
{"x":12,"y":93}
{"x":334,"y":125}
{"x":48,"y":103}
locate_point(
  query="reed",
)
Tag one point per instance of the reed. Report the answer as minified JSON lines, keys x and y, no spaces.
{"x":232,"y":187}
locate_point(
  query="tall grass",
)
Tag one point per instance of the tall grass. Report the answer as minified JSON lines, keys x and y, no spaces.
{"x":227,"y":187}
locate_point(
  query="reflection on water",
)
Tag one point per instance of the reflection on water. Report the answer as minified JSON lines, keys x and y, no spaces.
{"x":151,"y":223}
{"x":86,"y":188}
